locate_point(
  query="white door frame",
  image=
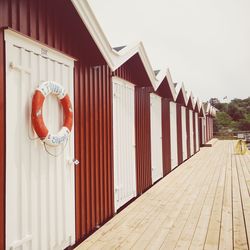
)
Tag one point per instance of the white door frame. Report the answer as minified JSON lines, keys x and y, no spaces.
{"x":173,"y":135}
{"x":184,"y":132}
{"x":40,"y":189}
{"x":156,"y":137}
{"x":124,"y":142}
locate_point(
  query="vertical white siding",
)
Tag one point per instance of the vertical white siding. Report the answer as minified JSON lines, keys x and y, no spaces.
{"x":124,"y":142}
{"x":191,"y":131}
{"x":173,"y":135}
{"x":197,"y":132}
{"x":203,"y":129}
{"x":156,"y":137}
{"x":184,"y":132}
{"x":40,"y":205}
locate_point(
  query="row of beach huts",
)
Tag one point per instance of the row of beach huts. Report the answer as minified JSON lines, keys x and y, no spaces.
{"x":131,"y":125}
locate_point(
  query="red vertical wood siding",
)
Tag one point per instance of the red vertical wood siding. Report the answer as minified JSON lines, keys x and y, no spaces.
{"x":179,"y":133}
{"x":200,"y":131}
{"x":57,"y":24}
{"x":143,"y":139}
{"x":94,"y":177}
{"x":166,"y":147}
{"x":188,"y":133}
{"x":194,"y":128}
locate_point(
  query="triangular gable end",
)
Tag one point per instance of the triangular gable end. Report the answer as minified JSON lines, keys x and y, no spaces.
{"x":166,"y":87}
{"x":181,"y":97}
{"x":191,"y":103}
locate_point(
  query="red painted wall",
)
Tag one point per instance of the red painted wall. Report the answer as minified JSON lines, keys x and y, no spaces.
{"x":166,"y":147}
{"x":143,"y":139}
{"x":188,"y":133}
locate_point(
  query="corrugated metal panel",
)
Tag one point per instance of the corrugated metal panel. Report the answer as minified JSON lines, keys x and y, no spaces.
{"x":57,"y":24}
{"x":93,"y":132}
{"x":184,"y":133}
{"x":124,"y":142}
{"x":143,"y":140}
{"x":174,"y":135}
{"x":179,"y":133}
{"x":203,"y":130}
{"x":156,"y":137}
{"x":40,"y":198}
{"x":197,"y":131}
{"x":188,"y":133}
{"x":166,"y":137}
{"x":191,"y":127}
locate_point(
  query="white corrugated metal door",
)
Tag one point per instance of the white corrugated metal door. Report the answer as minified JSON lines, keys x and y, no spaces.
{"x":197,"y":135}
{"x":40,"y":203}
{"x":156,"y":137}
{"x":184,"y":132}
{"x":191,"y":126}
{"x":124,"y":142}
{"x":203,"y":129}
{"x":173,"y":135}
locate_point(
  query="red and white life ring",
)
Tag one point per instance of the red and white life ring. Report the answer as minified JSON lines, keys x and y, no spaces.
{"x":44,"y":89}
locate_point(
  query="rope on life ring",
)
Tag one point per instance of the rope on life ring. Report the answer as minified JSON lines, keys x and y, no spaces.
{"x":45,"y":89}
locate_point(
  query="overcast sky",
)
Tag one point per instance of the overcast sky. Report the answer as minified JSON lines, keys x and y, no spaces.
{"x":205,"y":43}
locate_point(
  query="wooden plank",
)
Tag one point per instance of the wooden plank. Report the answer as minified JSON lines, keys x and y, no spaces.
{"x":174,"y":178}
{"x":186,"y":236}
{"x":239,"y":231}
{"x":138,"y":221}
{"x":203,"y":204}
{"x":165,"y":217}
{"x":173,"y":236}
{"x":226,"y":233}
{"x":213,"y":234}
{"x":202,"y":226}
{"x":245,"y":199}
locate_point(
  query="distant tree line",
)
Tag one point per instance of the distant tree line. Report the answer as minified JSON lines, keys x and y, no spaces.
{"x":233,"y":116}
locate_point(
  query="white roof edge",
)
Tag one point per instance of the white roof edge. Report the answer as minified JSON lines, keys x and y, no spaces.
{"x":113,"y":58}
{"x":166,"y":74}
{"x":184,"y":93}
{"x":192,"y":99}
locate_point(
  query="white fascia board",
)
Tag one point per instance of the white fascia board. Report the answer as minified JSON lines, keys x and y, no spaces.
{"x":184,"y":93}
{"x":203,"y":109}
{"x":197,"y":101}
{"x":179,"y":88}
{"x":125,"y":54}
{"x":85,"y":12}
{"x":171,"y":84}
{"x":113,"y":58}
{"x":192,"y":99}
{"x":161,"y":76}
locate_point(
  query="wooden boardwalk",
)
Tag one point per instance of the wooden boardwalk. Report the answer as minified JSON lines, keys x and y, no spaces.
{"x":203,"y":204}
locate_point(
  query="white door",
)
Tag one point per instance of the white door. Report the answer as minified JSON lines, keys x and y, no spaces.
{"x":184,"y":132}
{"x":191,"y":126}
{"x":173,"y":135}
{"x":40,"y":195}
{"x":156,"y":137}
{"x":197,"y":135}
{"x":124,"y":142}
{"x":203,"y":130}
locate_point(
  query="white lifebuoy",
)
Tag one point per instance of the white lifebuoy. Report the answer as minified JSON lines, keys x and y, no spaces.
{"x":45,"y":89}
